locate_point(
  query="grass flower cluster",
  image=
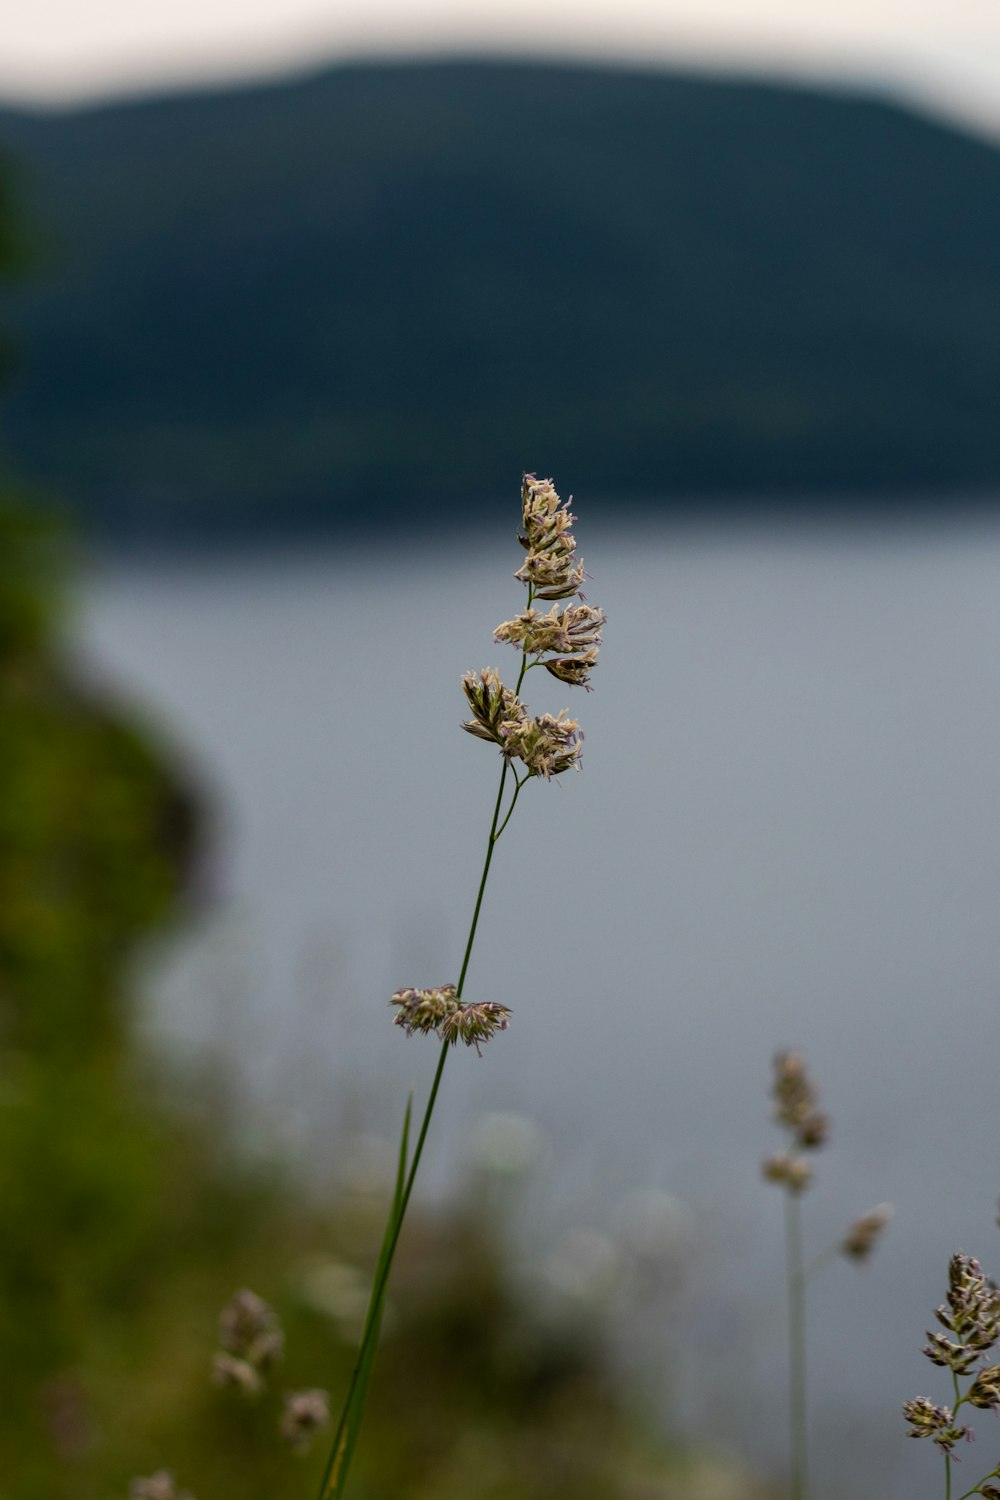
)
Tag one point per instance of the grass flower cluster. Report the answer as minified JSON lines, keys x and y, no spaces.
{"x":970,"y":1317}
{"x":565,"y":641}
{"x":158,"y":1486}
{"x":251,"y":1341}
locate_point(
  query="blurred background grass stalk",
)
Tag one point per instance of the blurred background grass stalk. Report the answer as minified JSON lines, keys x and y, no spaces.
{"x":796,"y":1280}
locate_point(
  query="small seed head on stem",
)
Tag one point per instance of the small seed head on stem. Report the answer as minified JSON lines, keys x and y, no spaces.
{"x":549,"y":567}
{"x":941,"y":1351}
{"x":576,"y":627}
{"x":424,"y":1011}
{"x":935,"y":1422}
{"x":792,"y":1172}
{"x":440,"y":1011}
{"x":984,"y":1391}
{"x":973,"y":1305}
{"x":236,"y":1374}
{"x":865,"y":1232}
{"x":795,"y":1098}
{"x":249,"y":1330}
{"x":475,"y":1024}
{"x":158,"y":1486}
{"x":548,"y":744}
{"x":494,"y":706}
{"x":575,"y":670}
{"x":304,"y":1414}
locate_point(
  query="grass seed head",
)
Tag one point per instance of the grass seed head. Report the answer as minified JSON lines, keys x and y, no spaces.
{"x":476,"y":1023}
{"x":494,"y":706}
{"x":424,"y":1011}
{"x":440,"y":1011}
{"x":791,"y":1172}
{"x":550,"y":566}
{"x":159,"y":1486}
{"x":250,"y":1330}
{"x":548,"y":745}
{"x":935,"y":1422}
{"x":866,"y":1231}
{"x":236,"y":1374}
{"x":304,"y":1414}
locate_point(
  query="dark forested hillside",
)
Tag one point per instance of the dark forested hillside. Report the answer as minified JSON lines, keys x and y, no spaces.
{"x":389,"y":288}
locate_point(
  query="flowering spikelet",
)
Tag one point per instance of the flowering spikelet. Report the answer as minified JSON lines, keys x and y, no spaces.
{"x":440,"y":1011}
{"x":552,"y":575}
{"x":973,"y":1305}
{"x":937,"y":1422}
{"x":305,"y":1412}
{"x":550,"y":567}
{"x":251,"y":1339}
{"x":159,"y":1486}
{"x":795,"y":1111}
{"x":573,"y":669}
{"x":940,"y":1350}
{"x":493,"y":705}
{"x":985,"y":1389}
{"x":575,"y":627}
{"x":792,"y":1172}
{"x":424,"y":1010}
{"x":475,"y":1024}
{"x":547,"y":745}
{"x":794,"y":1096}
{"x":238,"y":1374}
{"x":971,"y":1312}
{"x":864,"y":1234}
{"x":565,"y":640}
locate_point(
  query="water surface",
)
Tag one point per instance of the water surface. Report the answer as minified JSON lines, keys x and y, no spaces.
{"x":786,"y":832}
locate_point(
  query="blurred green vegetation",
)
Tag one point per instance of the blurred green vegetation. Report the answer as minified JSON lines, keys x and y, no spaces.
{"x":129,"y":1218}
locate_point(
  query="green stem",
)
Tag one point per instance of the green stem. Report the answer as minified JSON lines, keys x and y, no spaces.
{"x":795,"y":1271}
{"x":490,"y":846}
{"x":519,"y":783}
{"x":372,"y":1318}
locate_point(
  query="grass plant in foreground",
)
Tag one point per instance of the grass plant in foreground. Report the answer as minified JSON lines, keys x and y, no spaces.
{"x":565,"y":640}
{"x":795,"y":1110}
{"x":970,"y":1316}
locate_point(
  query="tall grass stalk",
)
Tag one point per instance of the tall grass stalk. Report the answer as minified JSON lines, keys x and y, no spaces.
{"x":806,"y":1128}
{"x":565,"y":641}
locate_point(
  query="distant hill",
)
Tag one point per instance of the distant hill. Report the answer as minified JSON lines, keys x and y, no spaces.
{"x":384,"y":290}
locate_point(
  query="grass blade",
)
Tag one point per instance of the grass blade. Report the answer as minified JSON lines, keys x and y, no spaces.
{"x":349,"y":1427}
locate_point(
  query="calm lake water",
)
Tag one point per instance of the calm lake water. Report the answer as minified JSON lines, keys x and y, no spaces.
{"x":786,"y":832}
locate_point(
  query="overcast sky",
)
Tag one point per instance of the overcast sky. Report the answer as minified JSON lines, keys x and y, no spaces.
{"x":946,"y":51}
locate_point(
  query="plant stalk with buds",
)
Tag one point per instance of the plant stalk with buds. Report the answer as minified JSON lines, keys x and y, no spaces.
{"x":565,"y":640}
{"x":795,"y":1110}
{"x":970,"y":1317}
